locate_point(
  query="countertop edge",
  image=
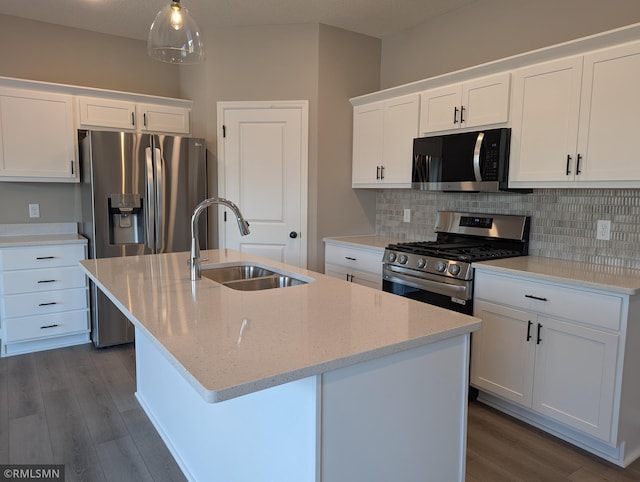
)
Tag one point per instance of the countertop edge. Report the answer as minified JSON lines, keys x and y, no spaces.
{"x":214,"y":396}
{"x":574,"y":280}
{"x":372,"y":242}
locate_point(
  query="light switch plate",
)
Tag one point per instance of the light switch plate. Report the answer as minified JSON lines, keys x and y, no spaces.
{"x":603,"y":230}
{"x":407,"y":216}
{"x":34,"y":210}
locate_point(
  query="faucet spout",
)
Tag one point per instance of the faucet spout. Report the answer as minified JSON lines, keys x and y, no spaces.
{"x":194,"y":261}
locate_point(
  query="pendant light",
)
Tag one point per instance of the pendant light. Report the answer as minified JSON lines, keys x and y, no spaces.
{"x":174,"y":36}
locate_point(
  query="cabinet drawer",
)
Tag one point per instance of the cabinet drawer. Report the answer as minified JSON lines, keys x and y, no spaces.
{"x":353,"y":258}
{"x":42,"y":326}
{"x":353,"y":276}
{"x":41,"y":256}
{"x":33,"y":280}
{"x":588,"y":307}
{"x":29,"y":304}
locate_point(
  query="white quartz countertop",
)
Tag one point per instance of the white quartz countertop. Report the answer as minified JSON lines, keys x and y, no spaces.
{"x":371,"y":241}
{"x":13,"y":235}
{"x":607,"y":278}
{"x":228,"y":343}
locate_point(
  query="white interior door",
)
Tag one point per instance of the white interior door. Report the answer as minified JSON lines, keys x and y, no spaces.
{"x":262,"y":166}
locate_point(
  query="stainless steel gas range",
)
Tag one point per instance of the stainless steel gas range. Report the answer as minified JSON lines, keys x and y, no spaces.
{"x":440,"y":272}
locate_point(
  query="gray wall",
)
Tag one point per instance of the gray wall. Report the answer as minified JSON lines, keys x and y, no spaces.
{"x":487,"y":30}
{"x":321,"y":64}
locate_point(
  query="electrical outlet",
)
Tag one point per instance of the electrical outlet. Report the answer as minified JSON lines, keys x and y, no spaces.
{"x":603,"y":230}
{"x":407,"y":216}
{"x":34,"y":210}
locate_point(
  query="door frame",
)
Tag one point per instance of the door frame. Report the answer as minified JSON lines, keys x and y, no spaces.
{"x":303,"y":107}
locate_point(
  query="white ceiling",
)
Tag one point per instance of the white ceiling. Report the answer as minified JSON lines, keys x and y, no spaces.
{"x":132,"y":18}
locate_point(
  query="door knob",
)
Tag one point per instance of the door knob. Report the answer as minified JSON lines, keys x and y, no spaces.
{"x":293,"y":235}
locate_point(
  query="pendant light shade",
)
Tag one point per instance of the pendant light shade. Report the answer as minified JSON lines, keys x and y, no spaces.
{"x":174,"y":36}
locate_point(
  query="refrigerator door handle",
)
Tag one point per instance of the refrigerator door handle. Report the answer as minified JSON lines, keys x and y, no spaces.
{"x":159,"y":208}
{"x":150,"y":221}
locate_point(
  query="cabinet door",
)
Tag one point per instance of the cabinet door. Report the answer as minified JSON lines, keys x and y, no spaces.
{"x":609,"y":118}
{"x":37,"y":141}
{"x":440,"y":108}
{"x":546,"y":106}
{"x":485,"y":101}
{"x":575,"y":376}
{"x":503,"y":351}
{"x":400,"y":124}
{"x":368,"y":132}
{"x":115,"y":114}
{"x":162,"y":118}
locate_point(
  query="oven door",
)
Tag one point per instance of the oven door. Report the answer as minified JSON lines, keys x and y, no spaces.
{"x":435,"y":290}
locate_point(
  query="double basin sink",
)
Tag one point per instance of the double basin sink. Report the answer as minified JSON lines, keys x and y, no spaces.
{"x":250,"y":277}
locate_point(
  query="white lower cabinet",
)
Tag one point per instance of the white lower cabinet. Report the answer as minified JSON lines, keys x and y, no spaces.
{"x":356,"y":265}
{"x":553,"y":355}
{"x":45,"y":298}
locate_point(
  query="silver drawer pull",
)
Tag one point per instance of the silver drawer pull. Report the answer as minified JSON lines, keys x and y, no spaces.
{"x":49,"y":326}
{"x":535,"y":298}
{"x":46,"y":257}
{"x":47,"y":281}
{"x":47,"y":304}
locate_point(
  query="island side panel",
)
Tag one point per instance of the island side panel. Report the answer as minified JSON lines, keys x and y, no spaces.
{"x":265,"y":435}
{"x":402,"y":417}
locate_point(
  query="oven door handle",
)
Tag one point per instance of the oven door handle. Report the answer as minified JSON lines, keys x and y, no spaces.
{"x":455,"y":291}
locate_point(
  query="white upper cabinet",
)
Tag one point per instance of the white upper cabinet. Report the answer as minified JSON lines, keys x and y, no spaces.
{"x":383,"y":134}
{"x":163,"y":118}
{"x":546,"y":106}
{"x":575,"y":121}
{"x":98,"y":112}
{"x":609,"y":116}
{"x":37,"y":140}
{"x":475,"y":103}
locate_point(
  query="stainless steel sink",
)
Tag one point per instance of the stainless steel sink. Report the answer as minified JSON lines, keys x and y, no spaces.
{"x":236,"y":273}
{"x":250,"y":277}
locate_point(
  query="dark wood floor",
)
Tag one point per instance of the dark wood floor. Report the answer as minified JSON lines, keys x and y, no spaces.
{"x":76,"y":406}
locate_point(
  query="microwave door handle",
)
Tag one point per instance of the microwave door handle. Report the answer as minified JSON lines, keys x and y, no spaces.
{"x":476,"y":156}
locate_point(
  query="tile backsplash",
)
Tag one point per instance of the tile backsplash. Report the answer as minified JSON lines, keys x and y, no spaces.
{"x":563,"y":221}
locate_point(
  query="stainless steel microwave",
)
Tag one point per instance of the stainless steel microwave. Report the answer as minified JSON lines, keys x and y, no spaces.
{"x":470,"y":161}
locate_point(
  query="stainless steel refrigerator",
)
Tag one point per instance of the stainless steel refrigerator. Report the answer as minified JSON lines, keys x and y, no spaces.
{"x":138,"y":193}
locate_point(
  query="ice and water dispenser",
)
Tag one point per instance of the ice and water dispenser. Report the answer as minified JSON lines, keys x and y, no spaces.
{"x":126,"y":219}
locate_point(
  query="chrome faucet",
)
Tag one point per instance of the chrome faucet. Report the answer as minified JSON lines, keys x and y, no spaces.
{"x":194,"y":261}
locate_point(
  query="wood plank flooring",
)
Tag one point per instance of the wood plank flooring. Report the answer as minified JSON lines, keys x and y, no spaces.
{"x":76,"y":406}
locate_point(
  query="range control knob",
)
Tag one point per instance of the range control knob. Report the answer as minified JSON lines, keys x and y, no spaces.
{"x":441,"y":266}
{"x":391,"y":257}
{"x":402,"y":259}
{"x":421,"y":263}
{"x":454,"y":269}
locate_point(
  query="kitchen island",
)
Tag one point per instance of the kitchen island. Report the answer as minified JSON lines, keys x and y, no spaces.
{"x":324,"y":381}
